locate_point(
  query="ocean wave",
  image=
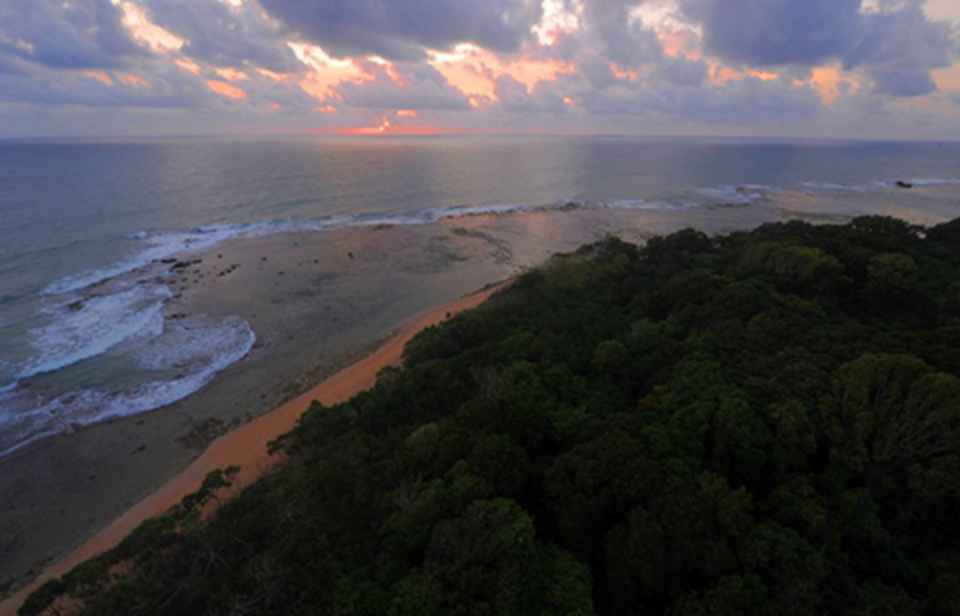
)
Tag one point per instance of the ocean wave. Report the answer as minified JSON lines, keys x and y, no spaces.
{"x":159,"y":246}
{"x":478,"y":210}
{"x":92,"y":326}
{"x":196,"y":350}
{"x":878,"y":185}
{"x":709,"y":196}
{"x":737,"y":195}
{"x":165,"y":245}
{"x":194,"y":341}
{"x":643,"y":204}
{"x":834,"y":187}
{"x":934,"y":181}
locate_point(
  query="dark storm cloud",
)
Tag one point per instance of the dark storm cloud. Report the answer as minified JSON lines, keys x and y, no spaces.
{"x":897,"y":46}
{"x":65,"y":35}
{"x":423,"y":87}
{"x":400,"y":29}
{"x":223,"y":35}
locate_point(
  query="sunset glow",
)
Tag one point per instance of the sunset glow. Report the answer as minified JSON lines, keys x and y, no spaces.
{"x":100,"y":76}
{"x":137,"y":21}
{"x":226,"y":90}
{"x":474,"y":71}
{"x":134,"y":81}
{"x":576,"y":65}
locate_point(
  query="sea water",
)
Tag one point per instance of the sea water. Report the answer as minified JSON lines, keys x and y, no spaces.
{"x":84,"y":335}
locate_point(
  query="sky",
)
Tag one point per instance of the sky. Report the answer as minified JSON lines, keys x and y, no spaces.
{"x":873,"y":69}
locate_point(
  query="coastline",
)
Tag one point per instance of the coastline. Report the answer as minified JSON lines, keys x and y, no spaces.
{"x":246,"y":446}
{"x":317,"y":302}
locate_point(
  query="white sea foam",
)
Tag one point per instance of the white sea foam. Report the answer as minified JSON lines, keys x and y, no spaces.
{"x":159,"y":246}
{"x":94,"y":326}
{"x":474,"y":210}
{"x":834,"y":187}
{"x":878,"y":185}
{"x":643,"y":204}
{"x":20,"y":428}
{"x":708,"y":196}
{"x":193,"y":341}
{"x":738,"y":195}
{"x":934,"y":181}
{"x":209,"y":352}
{"x":197,"y":349}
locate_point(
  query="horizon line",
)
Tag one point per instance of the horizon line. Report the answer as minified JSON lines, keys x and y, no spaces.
{"x":313,"y":134}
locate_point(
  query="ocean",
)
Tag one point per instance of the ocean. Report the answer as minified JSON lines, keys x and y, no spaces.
{"x":88,"y":231}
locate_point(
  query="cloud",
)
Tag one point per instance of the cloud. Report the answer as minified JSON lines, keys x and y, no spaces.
{"x":767,"y":33}
{"x":894,"y":43}
{"x":224,"y":35}
{"x":401,"y":29}
{"x":514,"y":96}
{"x":899,"y":47}
{"x":588,"y":65}
{"x":624,"y":40}
{"x":411,"y":86}
{"x":748,"y":101}
{"x":10,"y":66}
{"x":57,"y":88}
{"x":66,"y":35}
{"x":596,"y":69}
{"x":682,"y":72}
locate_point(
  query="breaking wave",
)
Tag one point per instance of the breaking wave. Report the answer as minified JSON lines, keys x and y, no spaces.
{"x":178,"y":362}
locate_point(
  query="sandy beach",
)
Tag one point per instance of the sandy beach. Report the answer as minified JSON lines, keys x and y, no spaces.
{"x":246,"y":446}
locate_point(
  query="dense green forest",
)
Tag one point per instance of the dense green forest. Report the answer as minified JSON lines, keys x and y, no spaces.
{"x":761,"y":423}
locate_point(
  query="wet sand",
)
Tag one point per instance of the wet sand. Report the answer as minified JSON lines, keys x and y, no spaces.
{"x":246,"y":446}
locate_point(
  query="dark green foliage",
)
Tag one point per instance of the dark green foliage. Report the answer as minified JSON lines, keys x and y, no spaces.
{"x":763,"y":423}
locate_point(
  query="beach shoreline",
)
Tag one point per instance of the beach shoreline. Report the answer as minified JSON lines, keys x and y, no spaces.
{"x":246,"y":446}
{"x":317,"y":302}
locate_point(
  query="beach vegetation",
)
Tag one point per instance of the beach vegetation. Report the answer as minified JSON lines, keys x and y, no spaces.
{"x":766,"y":422}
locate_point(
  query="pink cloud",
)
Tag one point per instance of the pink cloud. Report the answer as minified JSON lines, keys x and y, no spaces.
{"x":97,"y":75}
{"x":226,"y":90}
{"x":135,"y":81}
